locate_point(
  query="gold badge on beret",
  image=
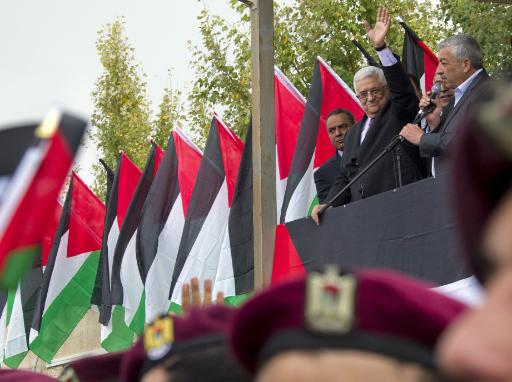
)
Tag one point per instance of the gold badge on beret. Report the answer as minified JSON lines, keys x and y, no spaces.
{"x":330,"y":301}
{"x":159,"y":337}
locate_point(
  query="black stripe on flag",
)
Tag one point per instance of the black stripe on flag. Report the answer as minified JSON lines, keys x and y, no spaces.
{"x":96,"y":293}
{"x":209,"y":181}
{"x":102,"y":285}
{"x":30,"y":290}
{"x":159,"y":202}
{"x":130,"y":224}
{"x":72,"y":129}
{"x":306,"y":141}
{"x":240,"y":223}
{"x":62,"y":228}
{"x":13,"y":144}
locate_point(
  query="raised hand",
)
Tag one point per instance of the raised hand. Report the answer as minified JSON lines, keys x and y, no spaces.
{"x":191,"y":295}
{"x":377,"y":34}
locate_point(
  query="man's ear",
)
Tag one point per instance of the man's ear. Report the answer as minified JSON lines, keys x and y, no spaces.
{"x":466,"y":65}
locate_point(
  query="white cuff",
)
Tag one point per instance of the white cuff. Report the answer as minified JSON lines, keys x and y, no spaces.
{"x":386,"y":57}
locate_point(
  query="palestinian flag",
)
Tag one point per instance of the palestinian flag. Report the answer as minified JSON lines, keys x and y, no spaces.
{"x":417,"y":58}
{"x":70,"y":271}
{"x":36,"y":181}
{"x":288,"y":107}
{"x":313,"y":148}
{"x":208,"y":212}
{"x":127,"y":287}
{"x":235,"y":272}
{"x":163,"y":219}
{"x":115,"y":335}
{"x":23,"y":301}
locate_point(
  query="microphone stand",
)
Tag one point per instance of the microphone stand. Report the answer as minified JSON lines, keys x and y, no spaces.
{"x":395,"y":141}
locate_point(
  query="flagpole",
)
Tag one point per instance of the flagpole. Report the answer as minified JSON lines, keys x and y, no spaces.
{"x":263,"y":138}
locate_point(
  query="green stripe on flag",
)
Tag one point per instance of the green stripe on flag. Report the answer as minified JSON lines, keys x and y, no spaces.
{"x":15,"y":361}
{"x":238,"y":299}
{"x":17,"y":262}
{"x":234,"y":301}
{"x":137,"y":324}
{"x":312,"y":205}
{"x":11,"y":294}
{"x":121,"y":337}
{"x":66,"y":311}
{"x":175,"y":308}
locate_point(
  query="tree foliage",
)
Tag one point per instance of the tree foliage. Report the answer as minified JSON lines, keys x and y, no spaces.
{"x":121,"y":117}
{"x":489,"y":23}
{"x":303,"y":30}
{"x":170,"y":114}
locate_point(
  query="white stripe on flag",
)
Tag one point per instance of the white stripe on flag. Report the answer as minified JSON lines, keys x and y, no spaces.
{"x":303,"y":196}
{"x":158,"y":280}
{"x":225,"y":277}
{"x":203,"y":259}
{"x":64,"y":270}
{"x":113,"y":235}
{"x":467,"y":290}
{"x":16,"y":338}
{"x":131,"y":281}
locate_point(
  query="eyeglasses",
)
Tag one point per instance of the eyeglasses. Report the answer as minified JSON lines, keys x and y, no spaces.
{"x":375,"y":92}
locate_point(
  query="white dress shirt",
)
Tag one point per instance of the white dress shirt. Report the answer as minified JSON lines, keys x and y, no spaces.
{"x":461,"y":89}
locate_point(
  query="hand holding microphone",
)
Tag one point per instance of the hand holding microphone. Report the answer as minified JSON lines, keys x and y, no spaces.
{"x":428,"y":103}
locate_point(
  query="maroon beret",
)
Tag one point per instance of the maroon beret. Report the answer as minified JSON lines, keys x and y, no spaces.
{"x":200,"y":328}
{"x":105,"y":367}
{"x":371,"y":310}
{"x":23,"y":376}
{"x":482,"y":169}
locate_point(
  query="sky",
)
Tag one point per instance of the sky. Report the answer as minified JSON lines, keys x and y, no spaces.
{"x":49,"y":57}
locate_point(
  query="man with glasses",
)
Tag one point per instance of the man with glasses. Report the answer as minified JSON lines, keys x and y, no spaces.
{"x":389,"y":102}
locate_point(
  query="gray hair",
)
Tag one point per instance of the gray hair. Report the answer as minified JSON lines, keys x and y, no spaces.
{"x":464,"y":47}
{"x":369,"y":71}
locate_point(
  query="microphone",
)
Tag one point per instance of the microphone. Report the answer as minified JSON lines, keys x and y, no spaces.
{"x":434,"y":92}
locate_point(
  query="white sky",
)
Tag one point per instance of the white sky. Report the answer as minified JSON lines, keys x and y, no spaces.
{"x":49,"y":58}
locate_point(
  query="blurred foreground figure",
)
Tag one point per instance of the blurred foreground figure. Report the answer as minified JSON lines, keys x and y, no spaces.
{"x":23,"y":376}
{"x":478,"y":346}
{"x":175,"y":349}
{"x":332,"y":326}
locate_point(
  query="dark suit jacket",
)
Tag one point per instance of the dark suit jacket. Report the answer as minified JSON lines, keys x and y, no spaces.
{"x":325,"y":177}
{"x":435,"y":143}
{"x":401,"y":109}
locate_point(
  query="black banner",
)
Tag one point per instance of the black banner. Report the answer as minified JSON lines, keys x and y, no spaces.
{"x":410,"y":229}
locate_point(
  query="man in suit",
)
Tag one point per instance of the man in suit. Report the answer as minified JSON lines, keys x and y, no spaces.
{"x":461,"y":68}
{"x":389,"y":102}
{"x":338,"y":122}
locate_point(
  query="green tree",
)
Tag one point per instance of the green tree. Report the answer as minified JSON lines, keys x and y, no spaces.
{"x":121,"y":118}
{"x":303,"y":30}
{"x":489,"y":23}
{"x":170,"y":114}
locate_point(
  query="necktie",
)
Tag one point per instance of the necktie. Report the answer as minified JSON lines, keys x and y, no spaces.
{"x":364,"y":132}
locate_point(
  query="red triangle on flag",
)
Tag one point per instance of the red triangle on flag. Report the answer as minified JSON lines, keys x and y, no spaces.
{"x":231,"y":148}
{"x":86,"y":220}
{"x":287,"y":262}
{"x":129,"y":175}
{"x":289,"y":107}
{"x":189,"y":160}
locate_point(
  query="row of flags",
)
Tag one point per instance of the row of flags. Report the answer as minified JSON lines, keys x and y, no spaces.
{"x":186,"y":214}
